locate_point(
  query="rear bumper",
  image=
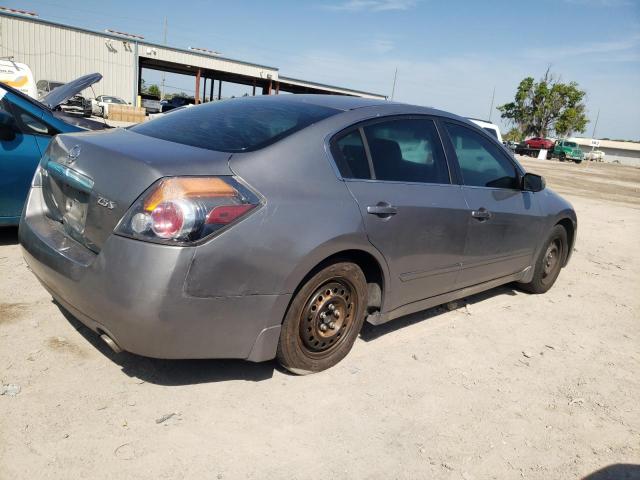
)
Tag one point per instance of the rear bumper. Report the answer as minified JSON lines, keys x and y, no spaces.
{"x":134,"y":292}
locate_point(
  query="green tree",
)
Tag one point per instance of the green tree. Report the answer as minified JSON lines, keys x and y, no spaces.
{"x":154,"y":90}
{"x":513,"y":135}
{"x":545,"y":107}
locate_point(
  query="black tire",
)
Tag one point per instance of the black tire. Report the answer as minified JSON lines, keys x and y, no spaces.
{"x":314,"y":337}
{"x":578,"y":161}
{"x":549,"y":262}
{"x":562,"y":156}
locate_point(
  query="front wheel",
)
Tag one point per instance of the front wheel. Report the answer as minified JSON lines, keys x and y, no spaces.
{"x":324,"y":319}
{"x":549,"y":262}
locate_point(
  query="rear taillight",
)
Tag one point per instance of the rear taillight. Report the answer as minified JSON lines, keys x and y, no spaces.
{"x":186,"y":210}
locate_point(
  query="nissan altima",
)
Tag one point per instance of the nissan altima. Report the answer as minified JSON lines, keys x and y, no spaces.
{"x":270,"y":227}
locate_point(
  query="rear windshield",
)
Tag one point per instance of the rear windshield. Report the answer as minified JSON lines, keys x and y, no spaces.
{"x":235,"y":125}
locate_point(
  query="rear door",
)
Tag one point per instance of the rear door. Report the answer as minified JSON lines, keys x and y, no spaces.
{"x":19,"y":157}
{"x":504,"y":222}
{"x":397,"y":171}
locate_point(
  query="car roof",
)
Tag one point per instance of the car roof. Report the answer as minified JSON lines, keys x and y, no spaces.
{"x":339,"y":102}
{"x":346,"y":103}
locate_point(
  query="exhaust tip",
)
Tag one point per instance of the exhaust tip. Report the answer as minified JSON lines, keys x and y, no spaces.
{"x":112,"y":344}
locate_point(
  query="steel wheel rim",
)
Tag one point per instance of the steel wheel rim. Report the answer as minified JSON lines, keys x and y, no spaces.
{"x":328,"y":317}
{"x":551,"y":260}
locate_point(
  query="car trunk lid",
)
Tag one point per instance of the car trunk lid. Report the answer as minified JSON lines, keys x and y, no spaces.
{"x":92,"y":178}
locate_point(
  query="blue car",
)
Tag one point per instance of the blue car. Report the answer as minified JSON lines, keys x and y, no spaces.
{"x":26,"y":128}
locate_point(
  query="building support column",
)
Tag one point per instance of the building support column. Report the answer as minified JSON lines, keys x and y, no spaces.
{"x":197,"y":95}
{"x":137,"y":80}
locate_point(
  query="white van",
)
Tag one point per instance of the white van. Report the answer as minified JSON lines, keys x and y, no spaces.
{"x":492,"y":128}
{"x":18,"y":76}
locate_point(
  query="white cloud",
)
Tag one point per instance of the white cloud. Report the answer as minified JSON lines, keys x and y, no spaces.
{"x":624,"y":46}
{"x":382,"y":45}
{"x":373,"y":5}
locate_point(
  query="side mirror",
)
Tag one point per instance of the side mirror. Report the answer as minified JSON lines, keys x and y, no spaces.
{"x":8,"y":127}
{"x":533,"y":183}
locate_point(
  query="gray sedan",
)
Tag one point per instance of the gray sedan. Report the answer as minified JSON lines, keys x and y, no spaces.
{"x":270,"y":227}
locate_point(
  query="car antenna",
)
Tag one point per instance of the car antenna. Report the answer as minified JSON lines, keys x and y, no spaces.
{"x":94,"y":96}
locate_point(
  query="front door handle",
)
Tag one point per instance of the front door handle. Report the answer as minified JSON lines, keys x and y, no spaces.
{"x":481,"y":214}
{"x":382,"y":209}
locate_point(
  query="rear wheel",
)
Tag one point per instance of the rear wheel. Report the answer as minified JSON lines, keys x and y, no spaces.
{"x":324,"y":319}
{"x":549,"y":262}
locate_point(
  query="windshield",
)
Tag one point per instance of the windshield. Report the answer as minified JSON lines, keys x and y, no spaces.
{"x":53,"y":85}
{"x":23,"y":96}
{"x":570,"y":144}
{"x":235,"y":125}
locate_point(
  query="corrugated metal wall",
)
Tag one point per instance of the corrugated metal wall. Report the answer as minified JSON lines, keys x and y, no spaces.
{"x":56,"y":53}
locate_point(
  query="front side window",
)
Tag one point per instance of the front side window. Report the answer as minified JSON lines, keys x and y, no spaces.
{"x":350,"y":156}
{"x":407,"y":150}
{"x":235,"y":125}
{"x":481,"y":162}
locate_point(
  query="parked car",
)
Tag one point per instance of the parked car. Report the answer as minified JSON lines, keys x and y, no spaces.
{"x":77,"y":104}
{"x":566,"y":150}
{"x":511,"y":145}
{"x":486,"y":125}
{"x":26,"y":128}
{"x":18,"y":76}
{"x":176,"y":102}
{"x":151,"y":103}
{"x":100,"y":105}
{"x":273,"y":226}
{"x":595,"y":156}
{"x":539,"y":143}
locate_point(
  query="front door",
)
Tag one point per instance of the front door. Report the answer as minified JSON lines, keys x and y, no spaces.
{"x":397,"y":171}
{"x":503,"y":222}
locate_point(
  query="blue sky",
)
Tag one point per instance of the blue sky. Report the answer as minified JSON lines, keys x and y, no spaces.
{"x":449,"y":55}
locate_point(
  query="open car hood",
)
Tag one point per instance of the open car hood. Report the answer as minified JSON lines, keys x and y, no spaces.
{"x":64,"y":92}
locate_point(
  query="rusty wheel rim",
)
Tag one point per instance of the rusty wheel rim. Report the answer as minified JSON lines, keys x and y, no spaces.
{"x":551,"y":262}
{"x":327,"y":317}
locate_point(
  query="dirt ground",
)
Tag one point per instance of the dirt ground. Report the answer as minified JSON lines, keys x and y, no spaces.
{"x":509,"y":386}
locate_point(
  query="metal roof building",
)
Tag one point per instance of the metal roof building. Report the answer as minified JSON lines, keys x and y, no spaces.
{"x":60,"y":52}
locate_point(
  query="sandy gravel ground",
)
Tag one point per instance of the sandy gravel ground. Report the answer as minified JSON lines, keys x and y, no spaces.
{"x":509,"y":386}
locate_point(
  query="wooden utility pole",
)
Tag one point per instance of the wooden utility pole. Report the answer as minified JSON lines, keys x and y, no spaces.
{"x":493,"y":96}
{"x":163,"y":72}
{"x":393,"y":89}
{"x":595,"y":125}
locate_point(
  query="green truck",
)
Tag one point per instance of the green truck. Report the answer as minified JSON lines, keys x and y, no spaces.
{"x":566,"y":150}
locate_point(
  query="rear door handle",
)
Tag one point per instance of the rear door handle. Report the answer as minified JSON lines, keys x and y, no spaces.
{"x":481,"y":214}
{"x":382,"y":209}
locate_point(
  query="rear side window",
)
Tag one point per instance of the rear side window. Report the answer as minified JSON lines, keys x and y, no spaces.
{"x":492,"y":132}
{"x":236,"y":125}
{"x":350,"y":156}
{"x":407,"y":150}
{"x":481,"y":162}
